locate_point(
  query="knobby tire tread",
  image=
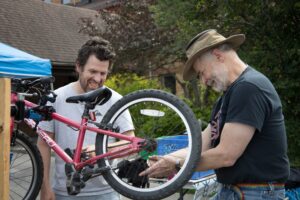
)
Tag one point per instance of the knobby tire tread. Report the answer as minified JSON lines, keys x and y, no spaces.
{"x":196,"y":143}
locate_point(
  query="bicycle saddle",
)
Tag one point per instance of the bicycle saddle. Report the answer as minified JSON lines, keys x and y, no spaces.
{"x":98,"y":96}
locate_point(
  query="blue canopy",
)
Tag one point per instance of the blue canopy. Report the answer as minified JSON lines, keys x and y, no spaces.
{"x":16,"y":63}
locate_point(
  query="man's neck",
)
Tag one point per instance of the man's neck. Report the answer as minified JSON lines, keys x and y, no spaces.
{"x":77,"y":87}
{"x":237,"y":68}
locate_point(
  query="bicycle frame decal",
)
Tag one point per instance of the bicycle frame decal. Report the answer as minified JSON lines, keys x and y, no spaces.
{"x":51,"y":143}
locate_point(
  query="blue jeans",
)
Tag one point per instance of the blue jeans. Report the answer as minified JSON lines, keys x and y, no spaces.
{"x":230,"y":192}
{"x":106,"y":196}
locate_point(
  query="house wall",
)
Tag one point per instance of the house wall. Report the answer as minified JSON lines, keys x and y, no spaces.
{"x":171,"y":70}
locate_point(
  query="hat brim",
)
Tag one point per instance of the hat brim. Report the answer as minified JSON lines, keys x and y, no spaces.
{"x":189,"y":73}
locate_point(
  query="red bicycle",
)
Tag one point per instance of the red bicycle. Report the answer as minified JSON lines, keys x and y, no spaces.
{"x":154,"y":113}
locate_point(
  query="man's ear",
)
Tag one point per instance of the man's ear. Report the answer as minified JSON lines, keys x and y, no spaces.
{"x":218,"y":54}
{"x":77,"y":68}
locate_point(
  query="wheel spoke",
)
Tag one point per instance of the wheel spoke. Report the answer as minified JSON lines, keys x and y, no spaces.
{"x":25,"y":169}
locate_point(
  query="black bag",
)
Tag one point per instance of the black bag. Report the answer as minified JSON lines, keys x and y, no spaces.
{"x":131,"y":170}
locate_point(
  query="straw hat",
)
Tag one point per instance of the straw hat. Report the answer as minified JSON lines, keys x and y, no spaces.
{"x":203,"y":42}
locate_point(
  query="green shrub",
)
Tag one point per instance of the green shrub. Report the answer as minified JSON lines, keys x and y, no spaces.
{"x":126,"y":83}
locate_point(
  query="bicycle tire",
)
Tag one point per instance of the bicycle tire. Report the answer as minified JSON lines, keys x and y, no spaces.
{"x":159,"y":105}
{"x":26,"y":169}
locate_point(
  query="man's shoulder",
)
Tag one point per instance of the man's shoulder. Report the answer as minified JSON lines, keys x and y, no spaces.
{"x":254,"y":76}
{"x":115,"y":94}
{"x":63,"y":88}
{"x":63,"y":93}
{"x":252,"y":79}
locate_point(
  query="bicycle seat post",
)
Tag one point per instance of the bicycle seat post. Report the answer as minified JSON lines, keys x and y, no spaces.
{"x":84,"y":120}
{"x":86,"y":111}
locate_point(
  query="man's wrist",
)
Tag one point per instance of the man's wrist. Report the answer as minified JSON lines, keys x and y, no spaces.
{"x":177,"y":165}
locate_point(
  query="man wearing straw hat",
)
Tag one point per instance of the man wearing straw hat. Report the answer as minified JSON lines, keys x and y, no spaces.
{"x":245,"y":141}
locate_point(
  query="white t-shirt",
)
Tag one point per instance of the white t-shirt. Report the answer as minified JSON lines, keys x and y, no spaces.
{"x":66,"y":137}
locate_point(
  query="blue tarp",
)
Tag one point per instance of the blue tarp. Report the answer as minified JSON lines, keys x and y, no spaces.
{"x":16,"y":63}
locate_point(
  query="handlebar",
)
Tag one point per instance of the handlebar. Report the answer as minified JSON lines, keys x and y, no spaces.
{"x":42,"y":80}
{"x":39,"y":87}
{"x":22,"y":85}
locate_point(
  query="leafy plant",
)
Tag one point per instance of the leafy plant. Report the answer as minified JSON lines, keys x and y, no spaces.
{"x":124,"y":83}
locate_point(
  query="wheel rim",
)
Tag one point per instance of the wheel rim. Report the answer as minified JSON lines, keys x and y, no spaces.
{"x":146,"y":113}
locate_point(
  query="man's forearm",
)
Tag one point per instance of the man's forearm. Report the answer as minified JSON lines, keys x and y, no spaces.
{"x":211,"y":159}
{"x":46,"y":156}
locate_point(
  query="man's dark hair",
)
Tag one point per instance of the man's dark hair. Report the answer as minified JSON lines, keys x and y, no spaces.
{"x":97,"y":46}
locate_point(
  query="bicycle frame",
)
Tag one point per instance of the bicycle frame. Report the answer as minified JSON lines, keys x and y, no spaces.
{"x":133,"y":147}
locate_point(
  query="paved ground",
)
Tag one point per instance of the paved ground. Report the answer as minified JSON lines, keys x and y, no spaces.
{"x":173,"y":197}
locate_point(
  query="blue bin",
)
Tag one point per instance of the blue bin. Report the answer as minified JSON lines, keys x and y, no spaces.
{"x":168,"y":144}
{"x":198,"y":175}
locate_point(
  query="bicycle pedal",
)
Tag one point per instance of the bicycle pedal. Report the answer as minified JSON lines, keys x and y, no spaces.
{"x":77,"y":181}
{"x":74,"y":184}
{"x":72,"y":190}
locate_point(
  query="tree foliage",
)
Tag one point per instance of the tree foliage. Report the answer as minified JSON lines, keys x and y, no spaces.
{"x":125,"y":83}
{"x":133,"y":33}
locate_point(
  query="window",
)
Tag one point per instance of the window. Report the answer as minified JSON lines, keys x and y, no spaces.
{"x":169,"y":81}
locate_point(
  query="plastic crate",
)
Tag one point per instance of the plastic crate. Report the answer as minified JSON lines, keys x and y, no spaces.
{"x":168,"y":144}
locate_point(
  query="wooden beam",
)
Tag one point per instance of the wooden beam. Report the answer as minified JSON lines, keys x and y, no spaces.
{"x":4,"y":137}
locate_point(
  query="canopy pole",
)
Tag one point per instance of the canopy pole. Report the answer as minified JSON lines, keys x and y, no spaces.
{"x":4,"y":137}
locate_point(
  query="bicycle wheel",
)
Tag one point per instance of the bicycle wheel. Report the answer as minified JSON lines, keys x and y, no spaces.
{"x":154,"y":114}
{"x":26,"y":169}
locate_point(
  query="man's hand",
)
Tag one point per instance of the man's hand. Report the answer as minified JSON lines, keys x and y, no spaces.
{"x":90,"y":151}
{"x":47,"y":193}
{"x":160,"y":166}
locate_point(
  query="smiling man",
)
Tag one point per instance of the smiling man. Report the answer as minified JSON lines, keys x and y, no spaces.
{"x":245,"y":141}
{"x":92,"y":65}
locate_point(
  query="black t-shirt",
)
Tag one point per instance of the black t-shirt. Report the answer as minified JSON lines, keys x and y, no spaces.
{"x":252,"y":100}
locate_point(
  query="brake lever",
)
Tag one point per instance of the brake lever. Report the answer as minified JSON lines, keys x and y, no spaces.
{"x":53,"y":98}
